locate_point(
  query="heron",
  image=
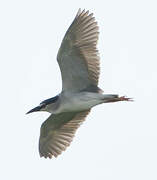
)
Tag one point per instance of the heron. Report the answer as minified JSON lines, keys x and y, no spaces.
{"x":78,"y":60}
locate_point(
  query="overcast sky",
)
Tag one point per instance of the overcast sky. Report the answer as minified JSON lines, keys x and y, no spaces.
{"x":117,"y":141}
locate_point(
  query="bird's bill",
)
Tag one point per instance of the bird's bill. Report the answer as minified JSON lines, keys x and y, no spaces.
{"x":38,"y":108}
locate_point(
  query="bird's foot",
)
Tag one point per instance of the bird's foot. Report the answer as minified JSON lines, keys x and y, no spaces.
{"x":124,"y":98}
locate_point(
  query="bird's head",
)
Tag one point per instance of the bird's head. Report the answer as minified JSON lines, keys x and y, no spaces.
{"x":41,"y":107}
{"x":45,"y":105}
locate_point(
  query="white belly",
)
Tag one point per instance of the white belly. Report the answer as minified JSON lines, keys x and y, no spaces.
{"x":79,"y":102}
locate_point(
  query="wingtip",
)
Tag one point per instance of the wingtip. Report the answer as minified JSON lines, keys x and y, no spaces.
{"x":81,"y":12}
{"x":78,"y":12}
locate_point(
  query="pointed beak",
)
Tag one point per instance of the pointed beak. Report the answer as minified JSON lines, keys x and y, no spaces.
{"x":34,"y":109}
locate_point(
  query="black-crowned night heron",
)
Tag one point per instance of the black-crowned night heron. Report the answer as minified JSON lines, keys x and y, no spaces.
{"x":79,"y":64}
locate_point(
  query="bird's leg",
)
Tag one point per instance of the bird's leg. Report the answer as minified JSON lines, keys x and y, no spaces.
{"x":122,"y":98}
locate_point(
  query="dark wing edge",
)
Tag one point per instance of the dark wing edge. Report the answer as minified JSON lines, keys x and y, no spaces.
{"x":58,"y":131}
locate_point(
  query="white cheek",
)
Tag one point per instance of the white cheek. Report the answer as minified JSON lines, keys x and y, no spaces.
{"x":44,"y":109}
{"x":47,"y":108}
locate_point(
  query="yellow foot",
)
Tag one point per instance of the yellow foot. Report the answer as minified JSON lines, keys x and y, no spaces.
{"x":124,"y":98}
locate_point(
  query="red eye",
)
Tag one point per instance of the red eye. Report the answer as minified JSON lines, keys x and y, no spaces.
{"x":43,"y":105}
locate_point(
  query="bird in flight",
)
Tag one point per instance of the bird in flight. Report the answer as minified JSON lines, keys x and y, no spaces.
{"x":78,"y":60}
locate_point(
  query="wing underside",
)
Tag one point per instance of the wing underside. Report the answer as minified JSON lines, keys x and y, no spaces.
{"x":58,"y":131}
{"x":78,"y":55}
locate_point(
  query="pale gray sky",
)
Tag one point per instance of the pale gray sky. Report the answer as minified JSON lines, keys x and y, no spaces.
{"x":117,"y":141}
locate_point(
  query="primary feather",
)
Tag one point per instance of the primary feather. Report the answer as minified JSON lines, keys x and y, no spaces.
{"x":78,"y":55}
{"x":58,"y":131}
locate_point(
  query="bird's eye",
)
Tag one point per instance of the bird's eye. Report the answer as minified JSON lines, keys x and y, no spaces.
{"x":43,"y":105}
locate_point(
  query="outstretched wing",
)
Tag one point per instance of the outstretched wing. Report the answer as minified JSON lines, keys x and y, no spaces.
{"x":58,"y":131}
{"x":78,"y":55}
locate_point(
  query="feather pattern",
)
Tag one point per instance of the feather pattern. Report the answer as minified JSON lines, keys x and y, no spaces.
{"x":78,"y":55}
{"x":58,"y":131}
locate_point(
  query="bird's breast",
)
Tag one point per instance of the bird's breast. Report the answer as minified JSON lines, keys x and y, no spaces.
{"x":79,"y":101}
